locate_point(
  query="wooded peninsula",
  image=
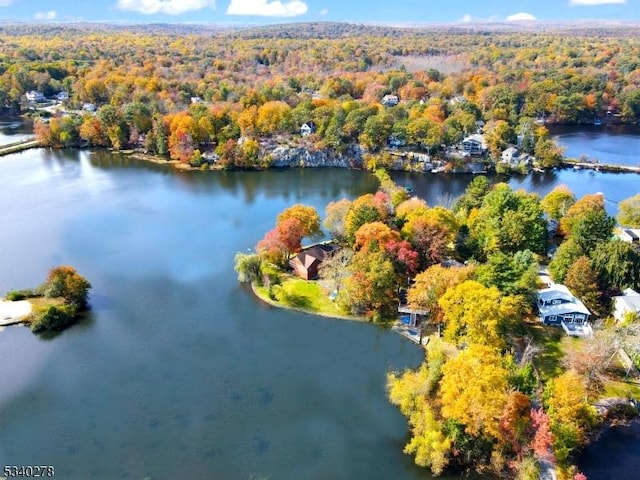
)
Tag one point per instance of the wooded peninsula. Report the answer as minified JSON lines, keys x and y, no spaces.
{"x":522,"y":364}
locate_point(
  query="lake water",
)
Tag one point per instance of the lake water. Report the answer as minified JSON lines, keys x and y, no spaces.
{"x":615,"y":456}
{"x":443,"y":189}
{"x":14,"y":131}
{"x":610,"y":144}
{"x":180,"y":372}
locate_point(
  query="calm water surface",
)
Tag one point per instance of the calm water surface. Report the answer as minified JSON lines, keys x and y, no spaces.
{"x":612,"y":144}
{"x":14,"y":131}
{"x":615,"y":456}
{"x":443,"y":189}
{"x":179,"y":372}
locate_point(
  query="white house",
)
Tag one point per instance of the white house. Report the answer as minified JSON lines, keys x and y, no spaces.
{"x":630,"y":235}
{"x":35,"y":96}
{"x":307,"y":128}
{"x":511,"y":156}
{"x":474,"y":144}
{"x":627,"y":303}
{"x":196,"y":100}
{"x":394,"y":141}
{"x":390,"y":100}
{"x":89,"y":107}
{"x":62,"y":96}
{"x":557,"y":306}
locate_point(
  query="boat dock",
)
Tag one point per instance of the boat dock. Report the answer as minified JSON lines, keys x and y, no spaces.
{"x":19,"y":146}
{"x":600,"y":167}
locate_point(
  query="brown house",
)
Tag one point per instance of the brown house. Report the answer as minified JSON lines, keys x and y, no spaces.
{"x":307,"y":263}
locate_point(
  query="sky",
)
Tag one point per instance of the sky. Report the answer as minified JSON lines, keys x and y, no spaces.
{"x":396,"y":12}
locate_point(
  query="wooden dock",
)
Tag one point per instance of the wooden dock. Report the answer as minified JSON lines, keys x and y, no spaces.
{"x":601,"y":167}
{"x":19,"y":146}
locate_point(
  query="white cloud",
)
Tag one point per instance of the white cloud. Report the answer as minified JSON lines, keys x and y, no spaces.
{"x":324,"y":11}
{"x":169,"y":7}
{"x":518,"y":17}
{"x":466,"y":18}
{"x":5,"y":3}
{"x":50,"y":15}
{"x":596,"y":2}
{"x":266,"y":8}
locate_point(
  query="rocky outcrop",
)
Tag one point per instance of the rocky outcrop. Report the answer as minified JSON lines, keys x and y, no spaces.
{"x":284,"y":156}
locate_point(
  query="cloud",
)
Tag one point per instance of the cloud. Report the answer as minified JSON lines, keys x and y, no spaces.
{"x":5,"y":3}
{"x":266,"y":8}
{"x":169,"y":7}
{"x":324,"y":11}
{"x":466,"y":18}
{"x":596,"y":2}
{"x":518,"y":17}
{"x":50,"y":15}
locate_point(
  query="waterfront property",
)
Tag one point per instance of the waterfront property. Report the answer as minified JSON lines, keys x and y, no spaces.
{"x":35,"y":96}
{"x":626,"y":304}
{"x":307,"y":263}
{"x":630,"y":235}
{"x":474,"y":145}
{"x":511,"y":156}
{"x":558,"y":307}
{"x":308,"y":128}
{"x":411,"y":317}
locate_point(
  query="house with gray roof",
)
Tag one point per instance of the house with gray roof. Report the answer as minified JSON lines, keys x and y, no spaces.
{"x":630,"y":235}
{"x":558,"y":307}
{"x":626,"y":304}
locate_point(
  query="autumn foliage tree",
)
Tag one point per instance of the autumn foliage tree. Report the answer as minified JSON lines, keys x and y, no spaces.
{"x":485,"y":323}
{"x":64,"y":281}
{"x":629,"y":212}
{"x":306,"y":216}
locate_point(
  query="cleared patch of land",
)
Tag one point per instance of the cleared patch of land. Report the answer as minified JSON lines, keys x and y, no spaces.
{"x":302,"y":295}
{"x":443,"y":63}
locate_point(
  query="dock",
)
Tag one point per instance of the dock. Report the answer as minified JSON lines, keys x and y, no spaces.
{"x":19,"y":146}
{"x":601,"y":167}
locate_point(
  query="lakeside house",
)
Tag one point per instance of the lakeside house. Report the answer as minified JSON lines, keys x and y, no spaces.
{"x":626,"y":304}
{"x":394,"y":141}
{"x":629,"y":235}
{"x":411,"y":317}
{"x":306,"y":264}
{"x":558,"y":307}
{"x":308,"y":128}
{"x":35,"y":96}
{"x":511,"y":156}
{"x":474,"y":145}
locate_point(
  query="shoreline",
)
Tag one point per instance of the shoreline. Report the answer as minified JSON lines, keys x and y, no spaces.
{"x":566,"y":163}
{"x":268,"y":301}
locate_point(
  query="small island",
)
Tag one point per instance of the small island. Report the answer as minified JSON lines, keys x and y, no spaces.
{"x":55,"y":305}
{"x":526,"y":362}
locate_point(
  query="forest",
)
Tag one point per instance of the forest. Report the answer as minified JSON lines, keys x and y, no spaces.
{"x":203,"y":94}
{"x":498,"y":391}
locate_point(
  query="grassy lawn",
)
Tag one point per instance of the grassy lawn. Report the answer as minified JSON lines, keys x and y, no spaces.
{"x":296,"y":293}
{"x":45,"y":301}
{"x":552,"y":341}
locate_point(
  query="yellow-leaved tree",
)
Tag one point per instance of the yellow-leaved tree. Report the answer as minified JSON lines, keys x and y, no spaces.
{"x":474,"y":390}
{"x":486,"y":323}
